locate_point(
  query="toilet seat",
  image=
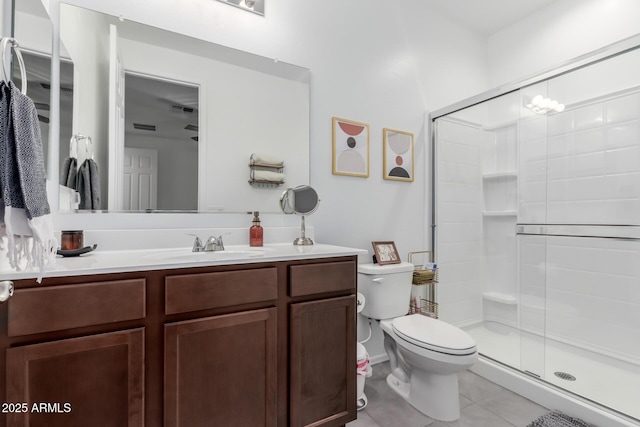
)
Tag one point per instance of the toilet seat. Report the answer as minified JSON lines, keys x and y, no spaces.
{"x":433,"y":334}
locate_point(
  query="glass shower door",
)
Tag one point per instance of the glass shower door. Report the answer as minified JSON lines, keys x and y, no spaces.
{"x":477,"y":182}
{"x":579,"y":232}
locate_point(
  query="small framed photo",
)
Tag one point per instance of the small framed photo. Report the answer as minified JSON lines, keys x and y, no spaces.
{"x":397,"y":155}
{"x":386,"y":252}
{"x":350,"y":148}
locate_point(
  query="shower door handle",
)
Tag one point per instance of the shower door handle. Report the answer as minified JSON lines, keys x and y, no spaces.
{"x":618,"y":232}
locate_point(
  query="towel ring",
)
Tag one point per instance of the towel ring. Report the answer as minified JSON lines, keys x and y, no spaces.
{"x":89,"y":144}
{"x":73,"y":147}
{"x":16,"y":49}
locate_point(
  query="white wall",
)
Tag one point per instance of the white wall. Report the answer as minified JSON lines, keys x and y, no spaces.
{"x":562,"y":31}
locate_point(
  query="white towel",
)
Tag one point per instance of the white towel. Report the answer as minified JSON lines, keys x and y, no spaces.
{"x":271,"y":176}
{"x":26,"y":215}
{"x":264,"y":159}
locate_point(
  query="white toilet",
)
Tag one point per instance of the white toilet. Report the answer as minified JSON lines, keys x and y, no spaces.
{"x":425,"y":353}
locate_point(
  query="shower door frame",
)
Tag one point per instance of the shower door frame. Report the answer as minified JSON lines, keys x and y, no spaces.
{"x":610,"y":51}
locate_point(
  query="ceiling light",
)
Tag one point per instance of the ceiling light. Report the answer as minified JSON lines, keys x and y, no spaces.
{"x":542,"y":105}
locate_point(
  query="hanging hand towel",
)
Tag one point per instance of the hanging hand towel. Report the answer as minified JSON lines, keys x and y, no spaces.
{"x":27,"y":217}
{"x":88,"y":185}
{"x":69,"y":172}
{"x":69,"y":169}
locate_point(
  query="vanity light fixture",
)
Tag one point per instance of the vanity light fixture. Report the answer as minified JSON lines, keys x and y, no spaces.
{"x":541,"y":105}
{"x":255,"y":6}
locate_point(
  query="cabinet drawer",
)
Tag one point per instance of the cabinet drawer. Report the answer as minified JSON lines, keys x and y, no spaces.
{"x":55,"y":308}
{"x":192,"y":292}
{"x":311,"y":279}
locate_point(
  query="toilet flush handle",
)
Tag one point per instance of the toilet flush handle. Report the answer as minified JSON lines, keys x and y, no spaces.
{"x":378,"y":279}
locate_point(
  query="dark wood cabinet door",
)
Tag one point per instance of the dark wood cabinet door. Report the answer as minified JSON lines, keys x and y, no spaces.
{"x":323,"y":362}
{"x":222,"y":371}
{"x":97,"y":380}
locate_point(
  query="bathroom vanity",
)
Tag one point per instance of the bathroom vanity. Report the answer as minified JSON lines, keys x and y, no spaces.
{"x":266,"y":341}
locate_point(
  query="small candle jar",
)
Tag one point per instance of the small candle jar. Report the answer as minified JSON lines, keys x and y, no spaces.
{"x":71,"y":240}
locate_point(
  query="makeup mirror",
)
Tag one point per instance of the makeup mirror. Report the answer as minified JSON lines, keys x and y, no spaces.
{"x":300,"y":200}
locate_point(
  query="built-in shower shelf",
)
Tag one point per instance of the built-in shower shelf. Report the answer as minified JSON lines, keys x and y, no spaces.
{"x":505,"y":213}
{"x":500,"y":297}
{"x":498,"y":175}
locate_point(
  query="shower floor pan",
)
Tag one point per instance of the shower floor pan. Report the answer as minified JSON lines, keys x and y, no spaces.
{"x":606,"y":380}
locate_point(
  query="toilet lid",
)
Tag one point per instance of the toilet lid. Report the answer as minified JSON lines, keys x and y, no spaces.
{"x":433,"y":334}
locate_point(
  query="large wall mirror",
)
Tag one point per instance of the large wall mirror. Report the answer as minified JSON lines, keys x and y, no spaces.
{"x":172,"y":120}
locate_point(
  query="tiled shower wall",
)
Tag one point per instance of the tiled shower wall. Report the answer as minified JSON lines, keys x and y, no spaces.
{"x":459,"y":219}
{"x":582,"y":291}
{"x":582,"y":166}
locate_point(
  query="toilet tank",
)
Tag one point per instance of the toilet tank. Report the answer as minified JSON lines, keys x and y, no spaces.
{"x":386,"y":288}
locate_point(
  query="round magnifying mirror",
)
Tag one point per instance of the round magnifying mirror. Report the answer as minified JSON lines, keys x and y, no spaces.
{"x":301,"y":200}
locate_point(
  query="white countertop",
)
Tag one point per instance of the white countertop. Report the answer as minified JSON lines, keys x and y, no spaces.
{"x":103,"y":262}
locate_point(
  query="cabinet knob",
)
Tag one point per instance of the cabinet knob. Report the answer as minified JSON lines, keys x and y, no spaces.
{"x":6,"y":290}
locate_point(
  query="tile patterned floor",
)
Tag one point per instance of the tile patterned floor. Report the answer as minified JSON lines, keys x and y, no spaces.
{"x":482,"y":404}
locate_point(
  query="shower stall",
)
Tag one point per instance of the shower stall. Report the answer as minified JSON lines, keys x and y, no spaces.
{"x":537,"y":227}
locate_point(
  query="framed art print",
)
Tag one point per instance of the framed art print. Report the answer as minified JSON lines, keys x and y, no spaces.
{"x":386,"y":253}
{"x":350,"y":148}
{"x":397,"y":155}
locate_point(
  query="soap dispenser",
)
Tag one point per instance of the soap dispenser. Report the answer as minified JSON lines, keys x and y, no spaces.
{"x":255,"y":232}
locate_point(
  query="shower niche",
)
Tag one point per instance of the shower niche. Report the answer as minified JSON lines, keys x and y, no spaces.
{"x":499,"y":186}
{"x":499,"y":170}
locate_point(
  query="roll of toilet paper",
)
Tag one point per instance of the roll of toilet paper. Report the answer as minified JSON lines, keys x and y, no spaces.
{"x":360,"y":302}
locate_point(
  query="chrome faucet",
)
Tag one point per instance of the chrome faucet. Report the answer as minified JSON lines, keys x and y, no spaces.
{"x":197,"y":245}
{"x":214,"y":244}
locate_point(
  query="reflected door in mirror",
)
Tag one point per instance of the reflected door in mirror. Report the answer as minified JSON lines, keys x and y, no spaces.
{"x":140,"y":179}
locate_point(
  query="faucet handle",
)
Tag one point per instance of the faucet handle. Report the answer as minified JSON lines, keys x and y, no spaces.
{"x":214,"y":244}
{"x":197,"y":244}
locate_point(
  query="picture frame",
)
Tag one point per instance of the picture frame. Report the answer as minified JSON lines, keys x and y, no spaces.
{"x":350,"y":148}
{"x":386,"y":252}
{"x":397,"y":155}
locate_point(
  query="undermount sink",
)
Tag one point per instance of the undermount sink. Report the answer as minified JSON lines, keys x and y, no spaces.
{"x":187,"y":255}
